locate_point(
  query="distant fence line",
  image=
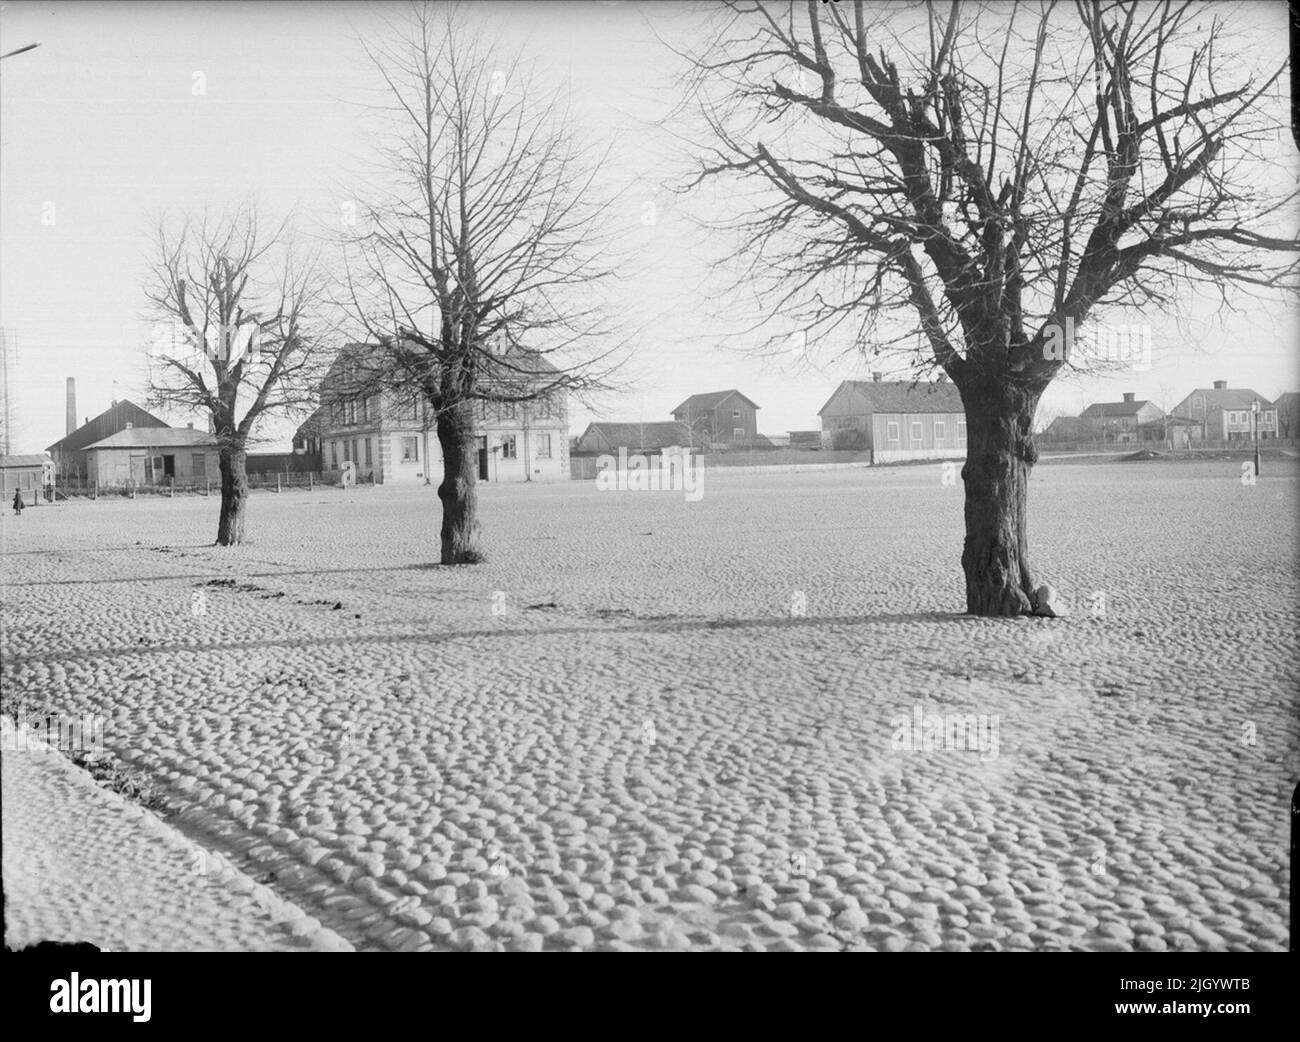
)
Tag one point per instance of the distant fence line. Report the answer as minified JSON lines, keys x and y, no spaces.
{"x":67,"y":488}
{"x":1194,"y":445}
{"x":585,"y":467}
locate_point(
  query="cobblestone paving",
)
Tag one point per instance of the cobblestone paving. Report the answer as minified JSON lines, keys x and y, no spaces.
{"x":651,"y":723}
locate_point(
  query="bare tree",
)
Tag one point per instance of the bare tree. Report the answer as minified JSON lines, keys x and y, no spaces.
{"x":1001,"y":173}
{"x":239,"y":328}
{"x":480,"y":271}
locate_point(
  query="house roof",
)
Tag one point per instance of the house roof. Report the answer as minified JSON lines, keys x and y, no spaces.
{"x":111,"y":420}
{"x":1230,"y":397}
{"x":710,"y":401}
{"x":656,"y":435}
{"x":1288,"y":401}
{"x":24,"y":460}
{"x":1101,"y":410}
{"x":154,"y":437}
{"x":514,"y":362}
{"x":905,"y":396}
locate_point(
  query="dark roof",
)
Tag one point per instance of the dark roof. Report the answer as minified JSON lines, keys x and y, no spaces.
{"x":1100,"y":410}
{"x":25,"y":460}
{"x":1286,"y":402}
{"x":710,"y":401}
{"x":656,"y":435}
{"x":154,"y":437}
{"x":514,"y":362}
{"x":110,"y":421}
{"x":903,"y":396}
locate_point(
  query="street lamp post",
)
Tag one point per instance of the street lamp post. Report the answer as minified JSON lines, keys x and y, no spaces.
{"x":1254,"y":413}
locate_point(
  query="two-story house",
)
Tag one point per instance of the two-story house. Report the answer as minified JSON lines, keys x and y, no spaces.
{"x":896,"y":419}
{"x":1222,"y":413}
{"x":391,"y":438}
{"x":1124,"y":421}
{"x":720,"y":419}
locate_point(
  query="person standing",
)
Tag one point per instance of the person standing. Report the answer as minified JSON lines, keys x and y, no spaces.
{"x":18,"y":502}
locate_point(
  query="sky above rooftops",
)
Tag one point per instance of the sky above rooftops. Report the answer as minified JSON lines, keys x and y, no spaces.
{"x":102,"y":124}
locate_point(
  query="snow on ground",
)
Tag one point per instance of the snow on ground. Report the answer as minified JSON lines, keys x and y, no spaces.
{"x":653,"y":723}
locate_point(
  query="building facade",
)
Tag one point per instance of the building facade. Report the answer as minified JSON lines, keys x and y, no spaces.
{"x":27,"y":474}
{"x":1222,"y":413}
{"x":896,"y":420}
{"x":69,"y":452}
{"x":720,"y":419}
{"x":1123,"y":421}
{"x":154,"y":456}
{"x":391,"y":439}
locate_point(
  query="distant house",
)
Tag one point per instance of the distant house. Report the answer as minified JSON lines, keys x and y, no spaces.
{"x":1064,"y":428}
{"x":69,"y":452}
{"x":721,"y":419}
{"x":24,"y":473}
{"x":647,"y":439}
{"x":391,"y":438}
{"x":1222,"y":413}
{"x":1288,"y":414}
{"x":154,"y":456}
{"x":1123,"y":421}
{"x":896,"y":419}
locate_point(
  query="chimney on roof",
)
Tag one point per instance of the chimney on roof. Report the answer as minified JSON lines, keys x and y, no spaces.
{"x":1128,"y":396}
{"x":72,"y":406}
{"x":1220,"y":385}
{"x":875,"y":377}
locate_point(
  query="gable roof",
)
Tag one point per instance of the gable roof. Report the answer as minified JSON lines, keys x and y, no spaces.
{"x":154,"y":437}
{"x":710,"y":401}
{"x":1229,"y":398}
{"x":902,"y":396}
{"x":24,"y":460}
{"x":110,"y":421}
{"x":1100,"y":410}
{"x":656,"y":435}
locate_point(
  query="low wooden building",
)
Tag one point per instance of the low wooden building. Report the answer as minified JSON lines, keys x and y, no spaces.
{"x":69,"y":452}
{"x":896,"y":420}
{"x":27,"y":474}
{"x":154,"y":456}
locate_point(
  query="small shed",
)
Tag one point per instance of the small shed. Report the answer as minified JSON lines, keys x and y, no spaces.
{"x":26,"y":473}
{"x":154,"y":456}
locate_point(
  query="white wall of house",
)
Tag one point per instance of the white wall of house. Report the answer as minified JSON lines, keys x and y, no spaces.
{"x":908,"y":436}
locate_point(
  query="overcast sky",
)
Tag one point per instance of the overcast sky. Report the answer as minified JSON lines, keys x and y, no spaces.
{"x":101,"y":130}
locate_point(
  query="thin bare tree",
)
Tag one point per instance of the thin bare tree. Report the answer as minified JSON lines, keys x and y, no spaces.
{"x":238,"y":335}
{"x":479,"y":263}
{"x":1000,"y":173}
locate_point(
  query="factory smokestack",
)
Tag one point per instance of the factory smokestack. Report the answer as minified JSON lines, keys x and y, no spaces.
{"x":72,"y":405}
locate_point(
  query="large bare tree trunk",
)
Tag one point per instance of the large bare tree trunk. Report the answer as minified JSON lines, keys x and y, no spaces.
{"x":234,"y":496}
{"x":1000,"y":453}
{"x":459,"y":488}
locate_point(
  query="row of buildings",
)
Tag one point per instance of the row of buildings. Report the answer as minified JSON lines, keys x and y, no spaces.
{"x":1207,"y":414}
{"x":385,"y":438}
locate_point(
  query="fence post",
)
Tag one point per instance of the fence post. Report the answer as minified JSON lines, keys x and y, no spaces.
{"x":277,"y":483}
{"x":207,"y":486}
{"x":309,"y":481}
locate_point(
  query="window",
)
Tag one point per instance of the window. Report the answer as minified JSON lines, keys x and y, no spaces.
{"x":508,"y":447}
{"x":939,"y":428}
{"x":369,"y":458}
{"x":351,"y":411}
{"x":737,"y":432}
{"x":543,"y":446}
{"x":365,"y":410}
{"x":410,"y":410}
{"x":891,"y":432}
{"x":508,"y":410}
{"x":961,"y":432}
{"x":735,"y":414}
{"x":336,"y":414}
{"x":356,"y":456}
{"x":542,"y":409}
{"x":334,"y":455}
{"x":1198,"y":402}
{"x":916,"y":430}
{"x":410,"y":450}
{"x":199,"y":464}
